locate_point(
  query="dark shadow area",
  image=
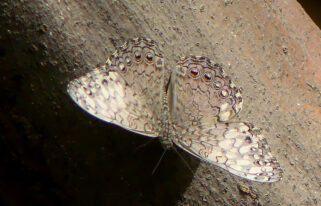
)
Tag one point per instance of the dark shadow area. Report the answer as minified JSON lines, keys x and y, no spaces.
{"x":313,"y":8}
{"x":53,"y":153}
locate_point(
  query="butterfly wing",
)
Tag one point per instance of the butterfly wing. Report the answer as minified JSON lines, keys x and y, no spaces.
{"x":202,"y":99}
{"x":128,"y":90}
{"x":234,"y":147}
{"x":201,"y":93}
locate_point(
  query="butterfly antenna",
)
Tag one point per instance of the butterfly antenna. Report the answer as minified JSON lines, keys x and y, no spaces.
{"x":159,"y":161}
{"x":185,"y":162}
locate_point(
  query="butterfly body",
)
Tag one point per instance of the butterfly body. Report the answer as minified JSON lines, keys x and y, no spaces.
{"x":189,"y":106}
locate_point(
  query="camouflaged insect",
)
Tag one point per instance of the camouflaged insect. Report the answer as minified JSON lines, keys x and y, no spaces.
{"x":190,"y":106}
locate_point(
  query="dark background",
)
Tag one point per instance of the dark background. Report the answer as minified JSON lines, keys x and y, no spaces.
{"x":313,"y":8}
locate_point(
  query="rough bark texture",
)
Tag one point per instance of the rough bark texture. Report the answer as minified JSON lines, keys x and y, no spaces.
{"x":52,"y":153}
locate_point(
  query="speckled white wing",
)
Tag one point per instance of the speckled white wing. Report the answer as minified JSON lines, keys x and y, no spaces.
{"x":234,"y":147}
{"x":128,"y":90}
{"x":202,"y":100}
{"x":201,"y":93}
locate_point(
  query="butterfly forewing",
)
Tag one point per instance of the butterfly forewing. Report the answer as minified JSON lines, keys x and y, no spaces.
{"x":202,"y":93}
{"x":128,"y":90}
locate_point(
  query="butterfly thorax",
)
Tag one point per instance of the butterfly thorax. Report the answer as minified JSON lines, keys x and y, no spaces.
{"x":166,"y":132}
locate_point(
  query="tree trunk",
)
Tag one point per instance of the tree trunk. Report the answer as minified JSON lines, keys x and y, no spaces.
{"x":53,"y":153}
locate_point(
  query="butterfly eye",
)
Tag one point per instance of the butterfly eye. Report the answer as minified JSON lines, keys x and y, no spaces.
{"x":149,"y":57}
{"x":122,"y":67}
{"x":208,"y":76}
{"x":194,"y":72}
{"x":138,"y":56}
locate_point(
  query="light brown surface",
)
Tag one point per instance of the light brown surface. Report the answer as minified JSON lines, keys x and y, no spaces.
{"x":269,"y":48}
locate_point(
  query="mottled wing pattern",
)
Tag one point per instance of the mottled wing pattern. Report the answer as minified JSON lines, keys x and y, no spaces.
{"x":128,"y":90}
{"x":201,"y":93}
{"x":141,"y":64}
{"x":235,"y":147}
{"x":202,"y":99}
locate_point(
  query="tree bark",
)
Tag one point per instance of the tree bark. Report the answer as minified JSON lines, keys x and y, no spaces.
{"x":53,"y":153}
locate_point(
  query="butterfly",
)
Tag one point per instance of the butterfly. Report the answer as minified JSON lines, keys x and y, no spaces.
{"x":189,"y":106}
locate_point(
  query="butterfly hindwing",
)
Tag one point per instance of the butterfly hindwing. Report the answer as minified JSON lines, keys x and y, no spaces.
{"x":234,"y":147}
